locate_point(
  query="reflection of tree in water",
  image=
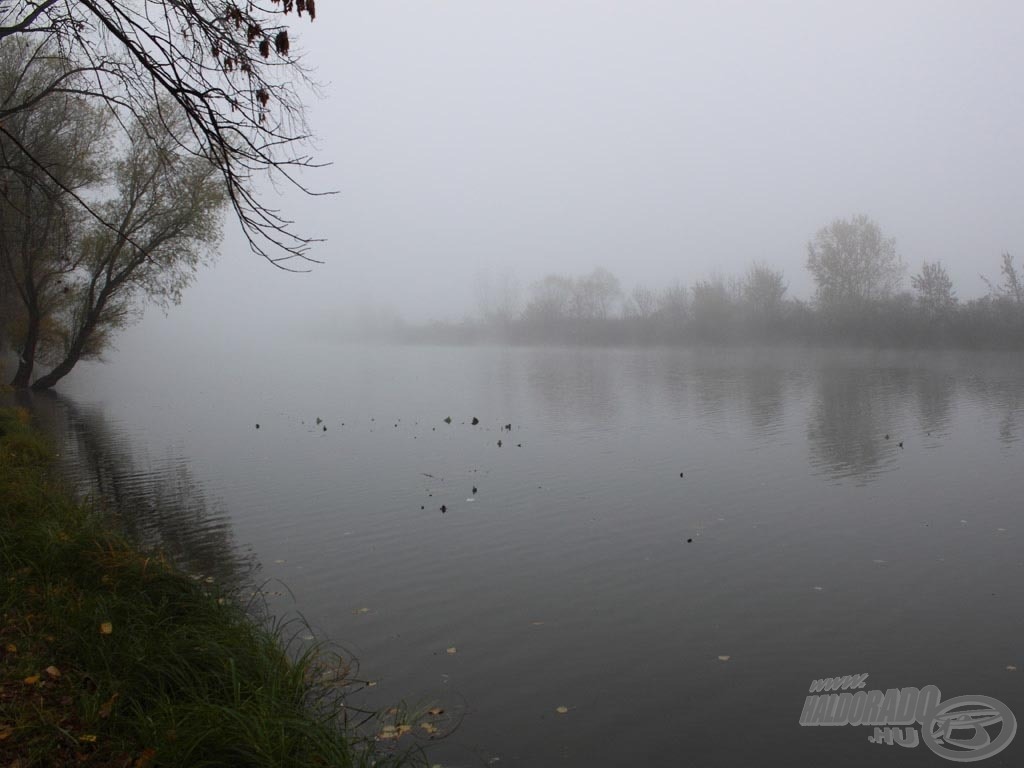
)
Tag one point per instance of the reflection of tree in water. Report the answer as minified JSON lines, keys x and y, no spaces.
{"x":855,"y":407}
{"x":159,"y":505}
{"x":765,"y":389}
{"x":934,"y":391}
{"x":575,"y":385}
{"x":744,"y":382}
{"x":1003,"y":395}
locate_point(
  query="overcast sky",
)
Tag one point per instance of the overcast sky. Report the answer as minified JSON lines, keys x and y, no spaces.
{"x":661,"y":140}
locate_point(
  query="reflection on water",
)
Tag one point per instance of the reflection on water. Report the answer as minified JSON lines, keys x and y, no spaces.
{"x":665,"y":508}
{"x":157,"y":501}
{"x":855,"y":422}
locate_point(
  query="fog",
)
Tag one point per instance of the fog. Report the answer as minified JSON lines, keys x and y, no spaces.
{"x":662,"y":141}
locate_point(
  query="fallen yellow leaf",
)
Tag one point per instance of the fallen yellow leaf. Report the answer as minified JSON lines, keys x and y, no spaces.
{"x":403,"y":729}
{"x":108,"y":707}
{"x":106,"y":628}
{"x":88,"y":738}
{"x":428,"y":727}
{"x":561,"y":710}
{"x":31,"y":680}
{"x":724,"y":658}
{"x":11,"y":648}
{"x":451,"y":650}
{"x":53,"y":672}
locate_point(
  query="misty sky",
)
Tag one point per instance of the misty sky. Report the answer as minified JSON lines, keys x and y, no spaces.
{"x":661,"y":140}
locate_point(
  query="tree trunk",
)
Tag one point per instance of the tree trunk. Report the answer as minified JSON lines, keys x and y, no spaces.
{"x":27,"y":358}
{"x":60,"y":371}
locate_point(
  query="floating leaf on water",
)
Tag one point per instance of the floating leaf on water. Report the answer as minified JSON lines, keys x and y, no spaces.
{"x":279,"y":562}
{"x":818,"y":589}
{"x":388,"y":732}
{"x":451,"y":651}
{"x":561,"y":710}
{"x":724,"y":658}
{"x":428,"y":728}
{"x":536,"y":623}
{"x":435,"y":711}
{"x":106,"y":628}
{"x":362,"y":610}
{"x":1011,"y":668}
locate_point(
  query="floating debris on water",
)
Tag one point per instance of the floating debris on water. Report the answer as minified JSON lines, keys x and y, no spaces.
{"x":475,"y":421}
{"x":447,"y":419}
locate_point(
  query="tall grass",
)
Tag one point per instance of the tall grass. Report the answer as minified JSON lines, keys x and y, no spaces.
{"x":108,"y":656}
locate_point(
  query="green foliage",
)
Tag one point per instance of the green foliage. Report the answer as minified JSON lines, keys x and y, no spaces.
{"x":113,"y":657}
{"x":78,"y":278}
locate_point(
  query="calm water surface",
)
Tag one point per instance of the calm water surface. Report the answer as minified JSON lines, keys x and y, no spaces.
{"x":585,"y":572}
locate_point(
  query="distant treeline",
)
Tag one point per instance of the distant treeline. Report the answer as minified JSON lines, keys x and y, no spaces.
{"x":860,"y":299}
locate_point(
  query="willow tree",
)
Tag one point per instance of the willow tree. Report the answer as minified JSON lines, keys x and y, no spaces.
{"x":49,"y":157}
{"x":228,"y":66}
{"x":167,"y":210}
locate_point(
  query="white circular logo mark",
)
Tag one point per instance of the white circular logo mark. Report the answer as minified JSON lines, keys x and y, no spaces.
{"x":969,"y":728}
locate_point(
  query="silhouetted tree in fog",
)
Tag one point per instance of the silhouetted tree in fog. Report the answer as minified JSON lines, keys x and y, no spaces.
{"x":935,"y":294}
{"x":853,"y":264}
{"x":1012,"y":287}
{"x":763,"y":289}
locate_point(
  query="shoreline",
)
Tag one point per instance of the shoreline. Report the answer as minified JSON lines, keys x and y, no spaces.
{"x":110,"y":656}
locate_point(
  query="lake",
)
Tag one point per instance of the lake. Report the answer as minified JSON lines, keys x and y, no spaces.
{"x":668,"y":544}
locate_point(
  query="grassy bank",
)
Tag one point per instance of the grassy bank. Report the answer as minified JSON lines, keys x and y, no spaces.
{"x":109,"y":657}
